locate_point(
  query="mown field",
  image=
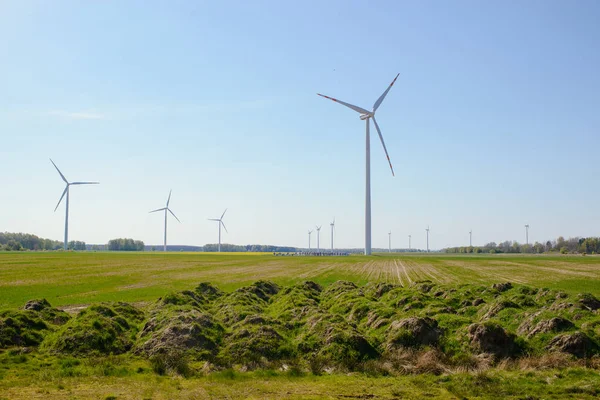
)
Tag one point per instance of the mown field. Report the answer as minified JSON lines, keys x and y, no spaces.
{"x":143,"y":326}
{"x":71,"y":279}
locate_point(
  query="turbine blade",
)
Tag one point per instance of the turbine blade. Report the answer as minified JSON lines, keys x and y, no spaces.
{"x":224,"y":226}
{"x":383,"y":144}
{"x":355,"y":108}
{"x":158,"y":209}
{"x":169,"y":199}
{"x":61,"y":197}
{"x":213,"y":219}
{"x":61,"y":175}
{"x":380,"y":99}
{"x":85,"y":183}
{"x":173,"y":214}
{"x":223,"y":213}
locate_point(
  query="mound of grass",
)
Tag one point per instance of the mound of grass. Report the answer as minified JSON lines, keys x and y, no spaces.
{"x":103,"y":329}
{"x":28,"y":326}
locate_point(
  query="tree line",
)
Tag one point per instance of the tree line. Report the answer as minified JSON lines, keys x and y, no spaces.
{"x":25,"y":241}
{"x":248,"y":248}
{"x":125,"y":244}
{"x":576,"y":245}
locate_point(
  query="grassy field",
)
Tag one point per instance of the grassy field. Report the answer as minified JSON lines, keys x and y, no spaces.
{"x":69,"y":279}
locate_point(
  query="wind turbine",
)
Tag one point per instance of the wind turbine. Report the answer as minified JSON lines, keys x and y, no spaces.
{"x":318,"y":237}
{"x":409,"y":236}
{"x":66,"y":191}
{"x":471,"y":238}
{"x":165,"y":209}
{"x":427,"y":238}
{"x":389,"y":241}
{"x":527,"y":234}
{"x":332,"y":229}
{"x":367,"y":116}
{"x":309,"y":232}
{"x":220,"y":220}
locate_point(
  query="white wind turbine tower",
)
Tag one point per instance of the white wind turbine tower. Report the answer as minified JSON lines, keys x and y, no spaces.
{"x":367,"y":116}
{"x":66,"y":191}
{"x":220,"y":220}
{"x":332,"y":229}
{"x":309,"y":233}
{"x":527,"y":234}
{"x":427,"y":238}
{"x":318,"y":237}
{"x":389,"y":241}
{"x":409,"y":236}
{"x":165,"y":209}
{"x":471,"y":238}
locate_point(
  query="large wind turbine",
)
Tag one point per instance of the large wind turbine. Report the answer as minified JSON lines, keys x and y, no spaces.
{"x":318,"y":237}
{"x":220,"y":220}
{"x":367,"y":116}
{"x":309,"y":233}
{"x":66,"y":191}
{"x":332,"y":224}
{"x":165,"y":209}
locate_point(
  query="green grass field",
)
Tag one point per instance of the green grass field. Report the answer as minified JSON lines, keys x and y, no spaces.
{"x":68,"y":279}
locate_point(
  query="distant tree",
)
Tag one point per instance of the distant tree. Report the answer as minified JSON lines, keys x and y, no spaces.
{"x":123,"y":244}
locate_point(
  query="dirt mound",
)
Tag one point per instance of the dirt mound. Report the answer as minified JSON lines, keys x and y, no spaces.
{"x":256,"y":340}
{"x":247,"y":300}
{"x":589,"y":301}
{"x":208,"y":291}
{"x":28,"y":326}
{"x":97,"y":329}
{"x":413,"y":332}
{"x":555,"y":324}
{"x":578,"y":344}
{"x":187,"y":297}
{"x":502,"y":287}
{"x":180,"y":328}
{"x":498,"y":306}
{"x":492,"y":338}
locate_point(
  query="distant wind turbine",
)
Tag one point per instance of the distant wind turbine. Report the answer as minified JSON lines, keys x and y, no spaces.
{"x":367,"y":116}
{"x":309,"y":233}
{"x":471,"y":238}
{"x":165,"y":209}
{"x":527,"y":234}
{"x":220,"y":220}
{"x":318,"y":237}
{"x":409,"y":237}
{"x":332,"y":224}
{"x":66,"y":191}
{"x":427,"y":238}
{"x":389,"y":241}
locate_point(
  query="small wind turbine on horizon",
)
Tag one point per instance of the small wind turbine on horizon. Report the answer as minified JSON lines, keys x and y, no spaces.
{"x":318,"y":237}
{"x":309,"y":233}
{"x":367,"y":116}
{"x":471,"y":238}
{"x":165,"y":209}
{"x":332,"y":224}
{"x":66,"y":191}
{"x":527,"y":234}
{"x":409,"y":237}
{"x":220,"y":220}
{"x":389,"y":241}
{"x":427,"y":238}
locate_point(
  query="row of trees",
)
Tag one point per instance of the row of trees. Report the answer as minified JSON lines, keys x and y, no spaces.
{"x":123,"y":244}
{"x":25,"y":241}
{"x":589,"y":245}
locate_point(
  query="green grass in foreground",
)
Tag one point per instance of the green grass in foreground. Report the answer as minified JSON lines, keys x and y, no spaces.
{"x":82,"y":278}
{"x":31,"y":376}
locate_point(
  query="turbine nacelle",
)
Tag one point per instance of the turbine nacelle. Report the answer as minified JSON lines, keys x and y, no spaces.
{"x":366,"y":116}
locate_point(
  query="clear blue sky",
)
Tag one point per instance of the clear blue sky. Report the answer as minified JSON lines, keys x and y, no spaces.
{"x":494,"y":121}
